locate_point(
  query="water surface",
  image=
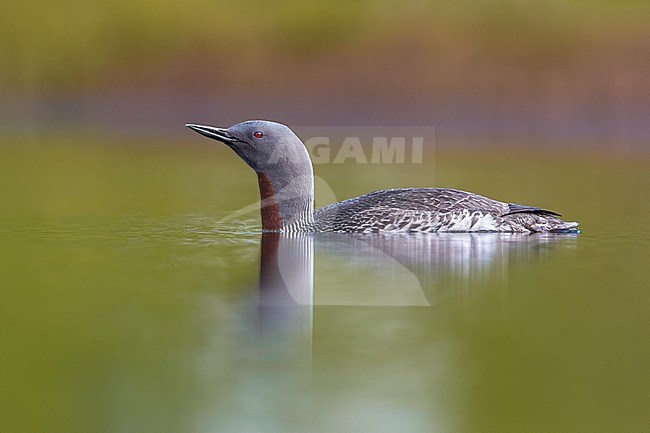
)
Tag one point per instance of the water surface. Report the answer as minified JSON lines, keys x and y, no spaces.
{"x":133,"y":303}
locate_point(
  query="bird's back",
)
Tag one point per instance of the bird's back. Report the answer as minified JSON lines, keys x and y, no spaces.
{"x":433,"y":210}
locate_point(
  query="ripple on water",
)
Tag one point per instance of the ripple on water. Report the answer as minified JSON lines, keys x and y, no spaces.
{"x":133,"y":229}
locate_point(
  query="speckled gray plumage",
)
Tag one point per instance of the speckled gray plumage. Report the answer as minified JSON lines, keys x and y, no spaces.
{"x":434,"y":210}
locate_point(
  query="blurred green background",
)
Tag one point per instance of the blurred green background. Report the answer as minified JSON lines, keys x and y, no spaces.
{"x":514,"y":68}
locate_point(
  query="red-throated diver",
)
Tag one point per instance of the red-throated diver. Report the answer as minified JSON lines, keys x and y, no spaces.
{"x":286,"y":183}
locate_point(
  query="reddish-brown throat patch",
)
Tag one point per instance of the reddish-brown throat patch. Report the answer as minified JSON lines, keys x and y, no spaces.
{"x":271,"y":219}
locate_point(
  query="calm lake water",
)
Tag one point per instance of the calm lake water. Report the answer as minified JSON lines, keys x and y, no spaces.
{"x":134,"y":302}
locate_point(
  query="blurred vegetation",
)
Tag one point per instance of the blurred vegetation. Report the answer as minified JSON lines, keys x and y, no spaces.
{"x":73,"y":44}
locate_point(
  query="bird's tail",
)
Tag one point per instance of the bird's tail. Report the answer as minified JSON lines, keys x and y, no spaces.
{"x":565,"y":227}
{"x":539,"y":222}
{"x":534,"y":219}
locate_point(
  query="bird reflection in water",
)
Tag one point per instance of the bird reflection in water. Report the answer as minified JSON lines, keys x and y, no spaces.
{"x":279,"y":350}
{"x":285,"y":300}
{"x":376,"y":270}
{"x":399,"y":270}
{"x":420,"y":269}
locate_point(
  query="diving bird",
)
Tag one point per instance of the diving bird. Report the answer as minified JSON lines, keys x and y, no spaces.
{"x":286,"y":183}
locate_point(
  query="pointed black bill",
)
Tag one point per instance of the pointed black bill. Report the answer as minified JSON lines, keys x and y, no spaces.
{"x":219,"y":134}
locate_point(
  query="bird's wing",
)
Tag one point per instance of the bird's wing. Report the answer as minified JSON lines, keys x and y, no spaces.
{"x":410,"y":209}
{"x":424,"y":199}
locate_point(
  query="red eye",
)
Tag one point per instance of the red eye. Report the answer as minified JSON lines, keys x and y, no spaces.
{"x":258,"y":134}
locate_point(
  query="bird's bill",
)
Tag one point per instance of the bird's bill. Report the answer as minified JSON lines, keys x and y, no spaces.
{"x":219,"y":134}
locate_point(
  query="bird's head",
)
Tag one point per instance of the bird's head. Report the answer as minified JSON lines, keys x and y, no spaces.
{"x":263,"y":145}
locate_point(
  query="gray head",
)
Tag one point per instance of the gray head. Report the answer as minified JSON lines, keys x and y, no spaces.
{"x":281,"y":161}
{"x":263,"y":145}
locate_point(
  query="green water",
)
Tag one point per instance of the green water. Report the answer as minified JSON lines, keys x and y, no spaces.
{"x":132,"y":303}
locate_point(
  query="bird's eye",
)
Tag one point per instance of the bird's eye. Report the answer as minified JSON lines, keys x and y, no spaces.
{"x":258,"y":134}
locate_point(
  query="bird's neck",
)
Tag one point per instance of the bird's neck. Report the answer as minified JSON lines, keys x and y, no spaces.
{"x":287,"y":202}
